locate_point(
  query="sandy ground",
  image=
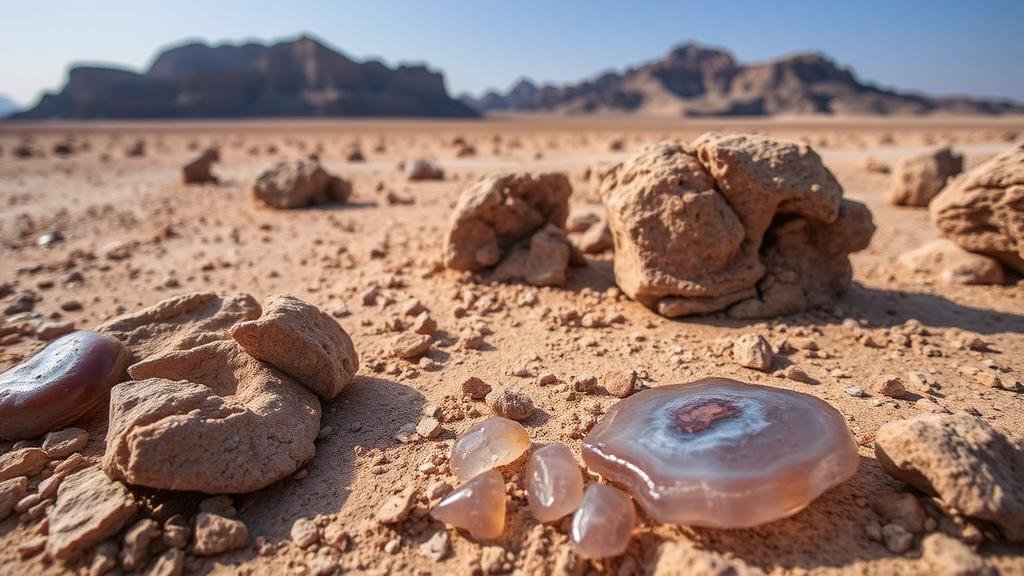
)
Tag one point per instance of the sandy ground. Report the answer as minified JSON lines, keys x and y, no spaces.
{"x":218,"y":238}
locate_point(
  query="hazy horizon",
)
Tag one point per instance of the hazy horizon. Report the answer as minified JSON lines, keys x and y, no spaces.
{"x":915,"y":46}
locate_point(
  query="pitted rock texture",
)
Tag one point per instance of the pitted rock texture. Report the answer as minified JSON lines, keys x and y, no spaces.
{"x":299,"y":183}
{"x":983,"y":209}
{"x":731,"y":219}
{"x":500,"y":212}
{"x":211,"y":419}
{"x":917,"y":180}
{"x":963,"y":460}
{"x":181,"y":322}
{"x":302,"y":341}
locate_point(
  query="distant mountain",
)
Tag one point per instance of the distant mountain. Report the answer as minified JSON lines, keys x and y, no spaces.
{"x":7,"y":106}
{"x":694,"y":80}
{"x":301,"y":77}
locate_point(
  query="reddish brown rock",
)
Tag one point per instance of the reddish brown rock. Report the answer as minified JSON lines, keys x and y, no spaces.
{"x":972,"y":467}
{"x":299,"y":183}
{"x":60,"y":384}
{"x":65,"y":442}
{"x":211,"y":419}
{"x":90,"y":508}
{"x":917,"y":180}
{"x":181,"y":322}
{"x":302,"y":341}
{"x":22,"y":462}
{"x":731,"y":219}
{"x":200,"y":170}
{"x":11,"y":491}
{"x":982,"y":211}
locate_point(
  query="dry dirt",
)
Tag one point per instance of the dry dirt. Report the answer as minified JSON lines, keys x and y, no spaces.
{"x":216,"y":237}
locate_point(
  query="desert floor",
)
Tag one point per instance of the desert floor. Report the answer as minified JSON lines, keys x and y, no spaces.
{"x":217,"y":238}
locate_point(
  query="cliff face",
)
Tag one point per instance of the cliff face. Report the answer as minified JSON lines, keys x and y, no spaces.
{"x":698,"y":81}
{"x":295,"y":78}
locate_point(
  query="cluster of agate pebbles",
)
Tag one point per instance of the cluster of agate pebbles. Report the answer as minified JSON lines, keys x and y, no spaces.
{"x":714,"y":453}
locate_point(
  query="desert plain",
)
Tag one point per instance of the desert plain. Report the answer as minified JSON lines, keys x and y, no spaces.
{"x":132,"y":234}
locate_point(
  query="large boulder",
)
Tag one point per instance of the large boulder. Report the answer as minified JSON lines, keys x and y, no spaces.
{"x":971,"y":466}
{"x":500,"y":214}
{"x":983,"y":209}
{"x":916,"y":180}
{"x":299,"y":183}
{"x":735,"y":221}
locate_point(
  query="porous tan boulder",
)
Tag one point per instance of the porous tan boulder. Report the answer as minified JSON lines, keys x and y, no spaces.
{"x":982,"y":210}
{"x":181,"y":322}
{"x":950,"y":263}
{"x":90,"y":508}
{"x":210,"y":419}
{"x":495,"y":214}
{"x":302,"y":341}
{"x":200,"y":170}
{"x":916,"y":180}
{"x":299,"y":183}
{"x":963,"y":460}
{"x":731,"y":220}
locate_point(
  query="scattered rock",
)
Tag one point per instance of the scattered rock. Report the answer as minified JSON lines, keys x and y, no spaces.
{"x":510,"y":404}
{"x":901,"y":508}
{"x":304,"y":533}
{"x":946,"y":556}
{"x":952,"y":264}
{"x":620,"y":383}
{"x":897,"y":539}
{"x":200,"y":170}
{"x":22,"y":462}
{"x":302,"y":341}
{"x":982,"y":210}
{"x":727,"y":249}
{"x":170,"y":563}
{"x":429,"y":427}
{"x":421,"y":169}
{"x":890,"y":385}
{"x":396,"y":508}
{"x":11,"y":491}
{"x":216,"y":534}
{"x":752,"y":351}
{"x":917,"y":180}
{"x":475,"y":388}
{"x":65,"y":442}
{"x":437,"y":547}
{"x":972,"y":467}
{"x":410,"y":345}
{"x":299,"y":183}
{"x":90,"y":508}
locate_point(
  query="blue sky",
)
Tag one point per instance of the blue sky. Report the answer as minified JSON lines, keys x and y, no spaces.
{"x":938,"y":46}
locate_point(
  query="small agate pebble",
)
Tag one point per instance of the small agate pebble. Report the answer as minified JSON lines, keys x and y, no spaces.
{"x":720,"y":453}
{"x":60,"y":384}
{"x":491,"y":442}
{"x":603,"y":524}
{"x":477,"y":507}
{"x":554,"y":483}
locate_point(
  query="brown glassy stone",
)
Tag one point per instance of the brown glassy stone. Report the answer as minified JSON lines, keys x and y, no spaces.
{"x":477,"y":507}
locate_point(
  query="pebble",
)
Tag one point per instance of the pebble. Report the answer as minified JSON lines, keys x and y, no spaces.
{"x":510,"y":404}
{"x":65,"y":442}
{"x":752,"y":351}
{"x":890,"y":385}
{"x":475,"y":388}
{"x":304,"y":533}
{"x":437,"y":547}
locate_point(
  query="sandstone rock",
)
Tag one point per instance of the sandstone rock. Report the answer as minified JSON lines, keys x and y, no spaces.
{"x":396,"y":508}
{"x":731,"y":219}
{"x":946,"y":556}
{"x":597,"y":239}
{"x":542,"y":263}
{"x":972,"y":467}
{"x":889,"y":385}
{"x":494,"y":214}
{"x":421,"y":169}
{"x":22,"y":462}
{"x":302,"y":341}
{"x":211,"y":419}
{"x":952,"y":264}
{"x":216,"y":534}
{"x":752,"y":351}
{"x":299,"y":183}
{"x":181,"y":322}
{"x":620,"y":383}
{"x":917,"y":180}
{"x":475,"y":388}
{"x":11,"y":491}
{"x":199,"y":171}
{"x":137,"y":539}
{"x":410,"y":346}
{"x":90,"y":508}
{"x":65,"y":442}
{"x":983,"y":210}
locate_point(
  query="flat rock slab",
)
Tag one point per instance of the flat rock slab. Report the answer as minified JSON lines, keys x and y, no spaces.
{"x":90,"y":508}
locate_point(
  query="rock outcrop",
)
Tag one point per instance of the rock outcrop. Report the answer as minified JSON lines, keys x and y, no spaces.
{"x":982,"y":210}
{"x":916,"y":180}
{"x":743,"y":222}
{"x":515,"y":222}
{"x":299,"y":183}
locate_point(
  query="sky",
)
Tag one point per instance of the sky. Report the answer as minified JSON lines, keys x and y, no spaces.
{"x":940,"y":47}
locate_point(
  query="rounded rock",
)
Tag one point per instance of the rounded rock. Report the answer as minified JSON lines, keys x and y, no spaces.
{"x":603,"y":524}
{"x":554,"y":483}
{"x":491,"y":442}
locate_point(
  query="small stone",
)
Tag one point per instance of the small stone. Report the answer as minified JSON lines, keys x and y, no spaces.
{"x":901,"y":508}
{"x":547,"y":379}
{"x":410,"y":346}
{"x":437,"y":547}
{"x":65,"y":442}
{"x":855,"y":391}
{"x":797,"y":374}
{"x":554,"y":483}
{"x":336,"y":536}
{"x":897,"y":539}
{"x":11,"y":492}
{"x":90,"y":508}
{"x":23,"y":462}
{"x":176,"y":532}
{"x":620,"y":383}
{"x":411,"y":307}
{"x":492,"y":560}
{"x":478,"y":506}
{"x":51,"y":330}
{"x":752,"y":351}
{"x":920,"y":382}
{"x":947,"y":556}
{"x":392,"y":546}
{"x":890,"y":385}
{"x":429,"y":427}
{"x":31,"y":547}
{"x":475,"y":388}
{"x":304,"y":533}
{"x":396,"y":508}
{"x":170,"y":563}
{"x":104,"y":558}
{"x":221,"y":505}
{"x":585,"y":383}
{"x":424,"y":324}
{"x":216,"y":534}
{"x":603,"y":524}
{"x":510,"y":404}
{"x":136,"y":543}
